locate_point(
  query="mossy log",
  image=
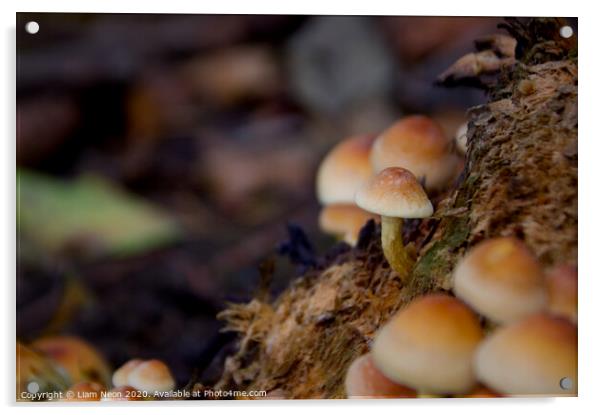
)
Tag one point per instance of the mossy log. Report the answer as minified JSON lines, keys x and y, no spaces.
{"x":520,"y":179}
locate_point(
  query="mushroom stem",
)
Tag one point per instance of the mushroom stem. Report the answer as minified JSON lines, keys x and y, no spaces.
{"x":398,"y":256}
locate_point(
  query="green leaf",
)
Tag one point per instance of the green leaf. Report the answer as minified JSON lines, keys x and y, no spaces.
{"x":87,"y":216}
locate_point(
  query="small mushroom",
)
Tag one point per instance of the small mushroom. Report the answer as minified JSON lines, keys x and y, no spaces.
{"x":561,"y":286}
{"x":364,"y":380}
{"x":121,"y":375}
{"x":501,"y":280}
{"x":429,"y":346}
{"x":419,"y":145}
{"x":344,"y":169}
{"x":151,"y":376}
{"x":344,"y":220}
{"x":395,"y":194}
{"x":534,"y":356}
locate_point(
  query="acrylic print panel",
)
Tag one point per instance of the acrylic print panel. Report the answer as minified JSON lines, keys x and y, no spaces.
{"x":293,"y":207}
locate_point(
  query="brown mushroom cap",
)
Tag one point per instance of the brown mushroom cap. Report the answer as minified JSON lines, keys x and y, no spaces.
{"x":429,"y":345}
{"x":501,"y":280}
{"x":364,"y":380}
{"x":80,"y":359}
{"x":344,"y":169}
{"x":562,"y":292}
{"x":394,"y":192}
{"x":418,"y":144}
{"x":151,"y":376}
{"x":530,"y":357}
{"x":345,"y":220}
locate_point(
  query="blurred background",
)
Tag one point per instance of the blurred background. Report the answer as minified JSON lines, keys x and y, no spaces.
{"x":161,"y":157}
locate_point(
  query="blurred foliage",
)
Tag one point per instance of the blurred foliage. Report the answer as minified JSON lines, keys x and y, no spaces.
{"x":88,"y":217}
{"x":35,"y":367}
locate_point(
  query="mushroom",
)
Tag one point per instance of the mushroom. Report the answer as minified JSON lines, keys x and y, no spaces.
{"x":535,"y":356}
{"x":429,"y":346}
{"x":151,"y":376}
{"x":79,"y":359}
{"x":418,"y":144}
{"x":121,"y":375}
{"x":561,"y":286}
{"x":395,"y":194}
{"x":501,"y":280}
{"x":364,"y":380}
{"x":345,"y":220}
{"x":344,"y":169}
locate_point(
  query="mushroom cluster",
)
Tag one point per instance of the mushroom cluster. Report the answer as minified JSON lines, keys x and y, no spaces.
{"x":381,"y":178}
{"x":72,"y":365}
{"x":134,"y":381}
{"x":508,"y":330}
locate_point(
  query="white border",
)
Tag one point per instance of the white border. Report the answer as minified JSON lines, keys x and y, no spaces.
{"x":373,"y":7}
{"x":590,"y":290}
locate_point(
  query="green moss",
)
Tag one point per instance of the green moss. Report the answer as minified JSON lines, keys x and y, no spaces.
{"x":435,"y":266}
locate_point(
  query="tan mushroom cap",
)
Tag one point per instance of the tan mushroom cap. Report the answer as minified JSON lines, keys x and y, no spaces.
{"x":394,"y":192}
{"x":364,"y":380}
{"x":151,"y":376}
{"x":429,"y":345}
{"x":530,"y":357}
{"x":345,"y":220}
{"x":79,"y":358}
{"x":344,"y":169}
{"x":418,"y":144}
{"x":501,"y":280}
{"x":561,"y":286}
{"x":121,"y":375}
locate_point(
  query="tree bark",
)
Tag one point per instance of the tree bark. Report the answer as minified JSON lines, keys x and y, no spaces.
{"x":520,"y":179}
